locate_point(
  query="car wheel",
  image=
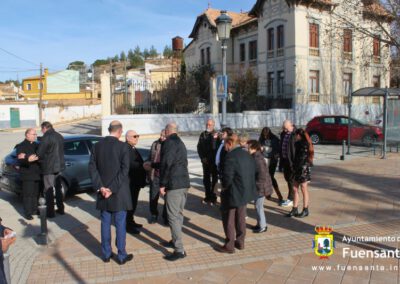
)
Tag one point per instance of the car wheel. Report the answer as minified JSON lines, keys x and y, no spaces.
{"x":64,"y":189}
{"x":315,"y":138}
{"x":368,"y":139}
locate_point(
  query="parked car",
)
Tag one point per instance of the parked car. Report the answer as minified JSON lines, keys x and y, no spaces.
{"x":334,"y":128}
{"x":75,"y":177}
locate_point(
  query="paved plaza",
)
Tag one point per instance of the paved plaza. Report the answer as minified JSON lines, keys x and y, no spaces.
{"x":358,"y":197}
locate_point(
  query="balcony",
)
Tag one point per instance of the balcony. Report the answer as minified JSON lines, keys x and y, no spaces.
{"x":270,"y":54}
{"x":376,"y":100}
{"x":280,"y":52}
{"x":348,"y":56}
{"x":314,"y":98}
{"x":377,"y":59}
{"x":314,"y":51}
{"x":345,"y":100}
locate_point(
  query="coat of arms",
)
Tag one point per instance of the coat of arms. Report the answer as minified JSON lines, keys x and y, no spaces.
{"x":323,"y":243}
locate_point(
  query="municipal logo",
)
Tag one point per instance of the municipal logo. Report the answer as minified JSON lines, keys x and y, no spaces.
{"x":323,"y":243}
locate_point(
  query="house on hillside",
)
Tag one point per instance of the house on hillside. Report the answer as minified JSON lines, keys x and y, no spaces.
{"x":303,"y":57}
{"x":8,"y":91}
{"x":61,"y":85}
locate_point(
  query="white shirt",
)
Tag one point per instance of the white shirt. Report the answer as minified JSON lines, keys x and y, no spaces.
{"x":218,"y":156}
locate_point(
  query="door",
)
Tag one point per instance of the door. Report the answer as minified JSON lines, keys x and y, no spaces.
{"x":329,"y":128}
{"x":76,"y":170}
{"x":15,"y":121}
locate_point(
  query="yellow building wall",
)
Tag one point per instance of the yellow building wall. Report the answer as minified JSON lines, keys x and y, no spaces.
{"x":159,"y":79}
{"x":34,"y":92}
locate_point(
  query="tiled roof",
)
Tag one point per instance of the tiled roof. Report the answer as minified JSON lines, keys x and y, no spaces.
{"x":238,"y":19}
{"x":376,"y":9}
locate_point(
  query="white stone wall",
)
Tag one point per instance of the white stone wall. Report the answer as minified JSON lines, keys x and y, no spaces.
{"x":29,"y":115}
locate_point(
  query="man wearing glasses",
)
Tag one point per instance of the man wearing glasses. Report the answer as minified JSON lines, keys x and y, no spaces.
{"x":30,"y":172}
{"x":137,"y":179}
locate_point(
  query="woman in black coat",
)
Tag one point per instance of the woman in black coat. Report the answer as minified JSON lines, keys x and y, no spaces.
{"x":302,"y":161}
{"x":263,"y":184}
{"x":271,"y":148}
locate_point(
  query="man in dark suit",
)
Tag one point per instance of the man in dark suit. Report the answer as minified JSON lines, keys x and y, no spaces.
{"x":29,"y":172}
{"x":238,"y":189}
{"x":207,"y":148}
{"x":109,"y":169}
{"x":51,"y":157}
{"x":174,"y":185}
{"x":137,"y":179}
{"x":287,"y":154}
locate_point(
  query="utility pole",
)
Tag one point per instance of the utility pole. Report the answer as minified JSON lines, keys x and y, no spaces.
{"x":93,"y":81}
{"x":111,"y":89}
{"x":41,"y":94}
{"x":126,"y":85}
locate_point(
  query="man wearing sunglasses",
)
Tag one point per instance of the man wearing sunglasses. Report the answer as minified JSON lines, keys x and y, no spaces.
{"x":137,"y":179}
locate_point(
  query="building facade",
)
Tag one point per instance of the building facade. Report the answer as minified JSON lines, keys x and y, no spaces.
{"x":302,"y":55}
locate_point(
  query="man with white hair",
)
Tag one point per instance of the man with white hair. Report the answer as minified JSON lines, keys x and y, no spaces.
{"x":174,"y":185}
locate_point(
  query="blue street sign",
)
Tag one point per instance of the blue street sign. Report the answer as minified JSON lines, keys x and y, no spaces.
{"x":222,"y":87}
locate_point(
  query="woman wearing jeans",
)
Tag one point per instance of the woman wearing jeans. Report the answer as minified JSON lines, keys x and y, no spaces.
{"x":263,"y":184}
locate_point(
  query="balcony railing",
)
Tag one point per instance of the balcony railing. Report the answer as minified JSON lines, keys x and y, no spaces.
{"x":314,"y":98}
{"x":376,"y":100}
{"x":314,"y":51}
{"x":270,"y":54}
{"x":377,"y":59}
{"x":348,"y":55}
{"x":280,"y":52}
{"x":345,"y":100}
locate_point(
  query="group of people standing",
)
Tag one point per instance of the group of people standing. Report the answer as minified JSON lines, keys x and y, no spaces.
{"x":41,"y":163}
{"x":246,"y":169}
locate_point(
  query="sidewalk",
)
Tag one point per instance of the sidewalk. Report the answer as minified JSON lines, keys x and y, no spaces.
{"x":358,"y":197}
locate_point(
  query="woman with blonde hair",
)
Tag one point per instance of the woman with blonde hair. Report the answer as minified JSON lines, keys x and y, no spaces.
{"x":303,"y":159}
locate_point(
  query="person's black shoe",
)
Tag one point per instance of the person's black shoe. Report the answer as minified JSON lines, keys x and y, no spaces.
{"x":293,"y":212}
{"x":28,"y":217}
{"x":129,"y":257}
{"x":107,"y":259}
{"x":153,"y":219}
{"x":169,"y":244}
{"x":260,"y":230}
{"x":304,"y":213}
{"x":60,"y":211}
{"x":175,"y":256}
{"x":224,"y":249}
{"x":239,"y":246}
{"x":132,"y":230}
{"x":256,"y":227}
{"x":136,"y":225}
{"x":204,"y":201}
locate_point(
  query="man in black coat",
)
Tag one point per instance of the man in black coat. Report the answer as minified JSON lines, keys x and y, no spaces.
{"x":51,"y":157}
{"x":29,"y":172}
{"x":238,"y":189}
{"x":287,"y":154}
{"x":109,"y":169}
{"x":207,"y":148}
{"x":137,"y":179}
{"x":174,"y":185}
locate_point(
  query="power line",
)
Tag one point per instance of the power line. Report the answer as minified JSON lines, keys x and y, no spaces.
{"x":19,"y":57}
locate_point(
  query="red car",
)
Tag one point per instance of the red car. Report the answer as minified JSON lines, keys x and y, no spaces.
{"x":334,"y":128}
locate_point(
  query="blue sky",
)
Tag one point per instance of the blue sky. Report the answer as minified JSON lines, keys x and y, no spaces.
{"x":56,"y":32}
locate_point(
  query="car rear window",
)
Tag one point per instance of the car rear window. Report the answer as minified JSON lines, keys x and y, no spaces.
{"x":328,"y":120}
{"x":75,"y":148}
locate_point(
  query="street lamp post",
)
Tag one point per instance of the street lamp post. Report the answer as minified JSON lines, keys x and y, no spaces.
{"x":224,"y":26}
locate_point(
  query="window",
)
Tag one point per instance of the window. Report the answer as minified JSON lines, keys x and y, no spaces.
{"x":28,"y":87}
{"x":347,"y":80}
{"x":281,"y":82}
{"x":270,"y":38}
{"x":376,"y":49}
{"x":91,"y":143}
{"x":75,"y":148}
{"x":314,"y":82}
{"x":328,"y":120}
{"x":242,"y":52}
{"x":281,"y":36}
{"x":314,"y":39}
{"x":270,"y":83}
{"x":376,"y":81}
{"x":253,"y":50}
{"x":203,"y":62}
{"x":348,"y":41}
{"x":208,"y":55}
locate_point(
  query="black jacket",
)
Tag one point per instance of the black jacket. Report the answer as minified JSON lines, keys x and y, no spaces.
{"x":51,"y":152}
{"x":207,"y":146}
{"x":290,"y":148}
{"x":109,"y":167}
{"x":263,"y":179}
{"x":238,"y":179}
{"x":28,"y":170}
{"x":274,"y":143}
{"x":174,"y":173}
{"x":137,"y":174}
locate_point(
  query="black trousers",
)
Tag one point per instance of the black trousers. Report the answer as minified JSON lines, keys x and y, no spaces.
{"x":210,"y":178}
{"x":153,"y":198}
{"x":289,"y":177}
{"x":135,"y":197}
{"x":52,"y":183}
{"x":30,"y":194}
{"x":272,"y":164}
